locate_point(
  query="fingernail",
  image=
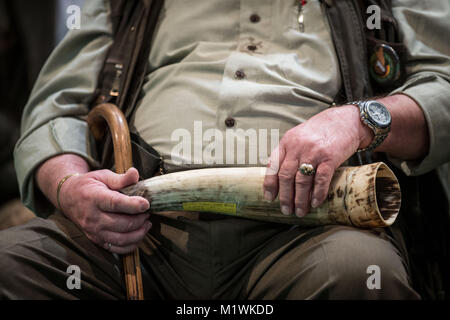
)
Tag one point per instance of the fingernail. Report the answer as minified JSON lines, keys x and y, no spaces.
{"x":268,"y":196}
{"x":286,"y":210}
{"x":300,"y":212}
{"x":315,"y":203}
{"x":149,"y":225}
{"x":144,"y":207}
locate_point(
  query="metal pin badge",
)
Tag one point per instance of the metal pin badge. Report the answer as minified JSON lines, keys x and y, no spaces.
{"x":301,"y":18}
{"x":384,"y":65}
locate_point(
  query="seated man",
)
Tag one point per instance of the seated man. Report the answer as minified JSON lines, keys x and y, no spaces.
{"x":218,"y":66}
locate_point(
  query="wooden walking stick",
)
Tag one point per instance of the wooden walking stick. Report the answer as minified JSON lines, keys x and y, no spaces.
{"x":101,"y":118}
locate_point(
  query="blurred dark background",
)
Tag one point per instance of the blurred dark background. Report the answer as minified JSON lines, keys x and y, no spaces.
{"x":29,"y":30}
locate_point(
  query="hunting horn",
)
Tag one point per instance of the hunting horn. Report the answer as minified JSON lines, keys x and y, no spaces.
{"x":365,"y":196}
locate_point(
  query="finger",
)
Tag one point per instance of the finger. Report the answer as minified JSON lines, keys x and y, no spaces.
{"x":322,"y":180}
{"x":286,"y":177}
{"x":113,"y":201}
{"x":303,"y":187}
{"x":126,"y":239}
{"x":122,"y":223}
{"x":116,"y":181}
{"x":270,"y":185}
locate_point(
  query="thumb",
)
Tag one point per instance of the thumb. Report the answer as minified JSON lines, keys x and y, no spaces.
{"x":116,"y":181}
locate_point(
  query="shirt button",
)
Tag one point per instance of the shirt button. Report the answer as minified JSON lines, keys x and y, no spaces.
{"x":240,"y":74}
{"x":230,"y":122}
{"x":254,"y":18}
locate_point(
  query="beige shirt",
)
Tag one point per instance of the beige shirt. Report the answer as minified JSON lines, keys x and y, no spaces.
{"x":206,"y":73}
{"x":212,"y":64}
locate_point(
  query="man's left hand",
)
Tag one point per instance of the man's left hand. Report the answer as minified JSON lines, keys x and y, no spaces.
{"x":324,"y":141}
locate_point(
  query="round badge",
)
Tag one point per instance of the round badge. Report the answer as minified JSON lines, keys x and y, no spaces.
{"x":384,"y":65}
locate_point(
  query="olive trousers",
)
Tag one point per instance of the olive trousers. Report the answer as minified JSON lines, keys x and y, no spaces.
{"x":206,"y":256}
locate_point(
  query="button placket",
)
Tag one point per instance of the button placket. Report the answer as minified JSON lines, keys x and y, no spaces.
{"x":251,"y":46}
{"x":240,"y":74}
{"x":230,"y":122}
{"x":255,"y":26}
{"x":255,"y":18}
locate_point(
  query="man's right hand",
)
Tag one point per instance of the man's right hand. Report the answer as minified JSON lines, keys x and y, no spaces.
{"x":92,"y":201}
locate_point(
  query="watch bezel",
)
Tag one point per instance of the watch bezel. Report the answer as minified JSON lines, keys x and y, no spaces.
{"x":370,"y":118}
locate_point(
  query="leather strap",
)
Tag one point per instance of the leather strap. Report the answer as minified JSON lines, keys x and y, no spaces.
{"x":125,"y":66}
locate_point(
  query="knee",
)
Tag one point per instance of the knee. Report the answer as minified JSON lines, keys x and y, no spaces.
{"x":364,"y":265}
{"x":18,"y":259}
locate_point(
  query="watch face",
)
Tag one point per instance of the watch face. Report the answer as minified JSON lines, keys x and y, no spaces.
{"x":379,"y":114}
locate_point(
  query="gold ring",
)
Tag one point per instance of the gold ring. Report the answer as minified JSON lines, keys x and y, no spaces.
{"x":307,"y":169}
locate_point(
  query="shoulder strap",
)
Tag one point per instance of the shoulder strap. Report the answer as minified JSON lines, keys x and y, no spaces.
{"x":125,"y":66}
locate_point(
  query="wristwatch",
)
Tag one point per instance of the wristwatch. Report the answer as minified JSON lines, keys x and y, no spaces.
{"x":376,"y":116}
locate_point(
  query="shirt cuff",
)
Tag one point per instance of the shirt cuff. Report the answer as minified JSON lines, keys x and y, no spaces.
{"x":432,"y":93}
{"x":58,"y":136}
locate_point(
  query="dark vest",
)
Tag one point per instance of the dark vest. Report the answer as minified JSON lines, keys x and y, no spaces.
{"x":427,"y":237}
